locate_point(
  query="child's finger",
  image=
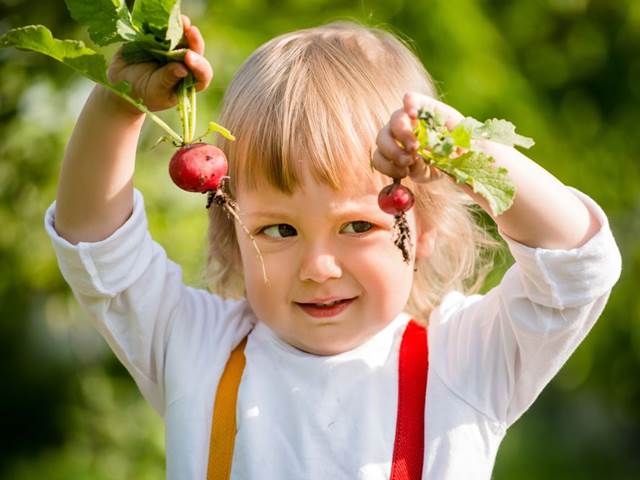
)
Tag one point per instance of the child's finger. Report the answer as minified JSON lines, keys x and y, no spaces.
{"x":390,"y":149}
{"x":167,"y":76}
{"x":401,"y":127}
{"x":386,"y":166}
{"x":186,"y":22}
{"x":195,"y":40}
{"x":419,"y":172}
{"x":415,"y":101}
{"x":200,"y":68}
{"x":411,"y":104}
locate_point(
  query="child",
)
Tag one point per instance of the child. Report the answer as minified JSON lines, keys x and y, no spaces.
{"x":328,"y":392}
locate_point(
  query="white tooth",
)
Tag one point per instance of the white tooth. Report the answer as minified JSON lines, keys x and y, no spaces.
{"x":327,"y":304}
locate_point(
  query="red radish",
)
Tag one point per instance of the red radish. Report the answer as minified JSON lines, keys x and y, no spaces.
{"x":395,"y":199}
{"x":198,"y":167}
{"x":201,"y":167}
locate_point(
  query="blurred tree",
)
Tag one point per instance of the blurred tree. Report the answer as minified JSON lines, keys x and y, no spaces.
{"x":567,"y":72}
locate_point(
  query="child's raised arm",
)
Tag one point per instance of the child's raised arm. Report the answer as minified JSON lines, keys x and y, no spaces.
{"x":497,"y":351}
{"x":544,"y":214}
{"x":95,"y":192}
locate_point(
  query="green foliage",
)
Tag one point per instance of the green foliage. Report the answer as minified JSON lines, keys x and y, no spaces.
{"x":155,"y":34}
{"x":566,"y":72}
{"x":500,"y":131}
{"x":476,"y":170}
{"x":160,"y":18}
{"x":439,"y":147}
{"x":107,"y":21}
{"x":38,"y":38}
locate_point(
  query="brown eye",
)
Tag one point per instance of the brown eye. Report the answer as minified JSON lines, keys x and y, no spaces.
{"x":280,"y":230}
{"x":359,"y":226}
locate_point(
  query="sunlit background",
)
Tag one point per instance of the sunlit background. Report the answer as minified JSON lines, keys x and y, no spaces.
{"x":566,"y":72}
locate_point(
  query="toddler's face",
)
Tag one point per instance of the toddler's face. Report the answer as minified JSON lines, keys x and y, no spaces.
{"x":320,"y":245}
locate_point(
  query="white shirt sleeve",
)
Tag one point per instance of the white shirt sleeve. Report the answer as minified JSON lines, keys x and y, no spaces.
{"x":140,"y":305}
{"x":498,"y":351}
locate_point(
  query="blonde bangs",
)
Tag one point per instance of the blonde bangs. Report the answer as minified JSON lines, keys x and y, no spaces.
{"x":317,"y":99}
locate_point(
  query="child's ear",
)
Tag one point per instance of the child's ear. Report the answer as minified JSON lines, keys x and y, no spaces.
{"x":425,"y":243}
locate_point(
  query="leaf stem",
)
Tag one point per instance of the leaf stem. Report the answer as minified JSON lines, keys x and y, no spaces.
{"x":187,"y":107}
{"x":181,"y":112}
{"x":192,"y":106}
{"x":144,"y":109}
{"x":172,"y":55}
{"x":185,"y":115}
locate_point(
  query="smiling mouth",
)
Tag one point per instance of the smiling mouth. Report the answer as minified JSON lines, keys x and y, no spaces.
{"x":326,"y":310}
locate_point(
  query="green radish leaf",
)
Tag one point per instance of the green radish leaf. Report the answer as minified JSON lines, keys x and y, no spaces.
{"x":74,"y":54}
{"x":461,"y":137}
{"x":143,"y":48}
{"x":160,"y":18}
{"x":108,"y":21}
{"x":138,"y":52}
{"x":473,"y":126}
{"x":216,"y":127}
{"x":445,"y":147}
{"x":175,"y":30}
{"x":432,"y":119}
{"x":422,"y":133}
{"x":476,"y":170}
{"x":474,"y":167}
{"x":38,"y":38}
{"x":150,"y":33}
{"x":501,"y":131}
{"x":504,"y":132}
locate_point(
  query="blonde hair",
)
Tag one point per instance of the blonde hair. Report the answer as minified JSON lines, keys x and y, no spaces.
{"x":322,"y":94}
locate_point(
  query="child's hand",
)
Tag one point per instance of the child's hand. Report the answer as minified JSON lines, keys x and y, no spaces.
{"x":397,"y":145}
{"x":155,"y":84}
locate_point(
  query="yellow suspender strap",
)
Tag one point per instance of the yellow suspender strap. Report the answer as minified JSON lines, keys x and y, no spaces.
{"x":223,"y":425}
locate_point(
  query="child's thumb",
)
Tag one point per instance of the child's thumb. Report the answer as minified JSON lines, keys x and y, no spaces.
{"x":172,"y":73}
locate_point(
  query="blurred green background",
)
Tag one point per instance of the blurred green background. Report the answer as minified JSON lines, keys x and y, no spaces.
{"x":566,"y":72}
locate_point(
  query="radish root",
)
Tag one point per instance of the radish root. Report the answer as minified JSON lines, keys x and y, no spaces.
{"x":224,"y":200}
{"x":402,"y":236}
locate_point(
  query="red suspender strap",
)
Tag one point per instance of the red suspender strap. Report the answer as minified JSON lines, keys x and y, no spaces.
{"x":408,"y":450}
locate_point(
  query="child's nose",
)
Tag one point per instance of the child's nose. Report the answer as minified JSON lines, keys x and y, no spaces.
{"x":319,"y":267}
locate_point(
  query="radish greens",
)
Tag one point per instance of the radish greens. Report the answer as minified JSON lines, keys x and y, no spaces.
{"x":152,"y":31}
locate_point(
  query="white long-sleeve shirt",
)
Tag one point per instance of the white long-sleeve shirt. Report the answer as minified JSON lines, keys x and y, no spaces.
{"x":301,"y":416}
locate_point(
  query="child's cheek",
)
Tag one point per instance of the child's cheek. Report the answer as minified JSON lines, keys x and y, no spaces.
{"x":385,"y":267}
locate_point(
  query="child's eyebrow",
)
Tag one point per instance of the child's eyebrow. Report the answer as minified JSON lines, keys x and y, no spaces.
{"x":346,"y":212}
{"x":262,"y":213}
